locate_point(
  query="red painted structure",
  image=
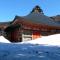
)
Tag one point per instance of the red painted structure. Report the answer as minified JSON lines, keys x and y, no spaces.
{"x":32,"y":26}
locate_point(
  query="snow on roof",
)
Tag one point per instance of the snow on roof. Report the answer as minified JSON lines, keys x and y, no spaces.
{"x":41,"y":18}
{"x":4,"y":40}
{"x":47,"y":40}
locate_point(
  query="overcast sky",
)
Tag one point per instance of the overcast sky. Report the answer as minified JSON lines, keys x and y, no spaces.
{"x":10,"y":8}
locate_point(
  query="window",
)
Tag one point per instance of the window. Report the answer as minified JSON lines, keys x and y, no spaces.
{"x":27,"y":35}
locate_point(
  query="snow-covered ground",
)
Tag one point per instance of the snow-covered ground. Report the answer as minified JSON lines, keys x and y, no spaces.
{"x":32,"y":50}
{"x":53,"y":40}
{"x":9,"y":51}
{"x":4,"y":40}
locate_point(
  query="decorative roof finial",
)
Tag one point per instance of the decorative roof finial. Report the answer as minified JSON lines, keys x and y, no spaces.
{"x":37,"y":9}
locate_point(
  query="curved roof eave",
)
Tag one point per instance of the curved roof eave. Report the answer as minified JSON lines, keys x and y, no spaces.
{"x":41,"y":18}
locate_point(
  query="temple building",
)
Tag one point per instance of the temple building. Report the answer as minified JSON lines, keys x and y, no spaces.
{"x":32,"y":26}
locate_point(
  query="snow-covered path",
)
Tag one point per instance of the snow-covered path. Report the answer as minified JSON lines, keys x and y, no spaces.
{"x":28,"y":52}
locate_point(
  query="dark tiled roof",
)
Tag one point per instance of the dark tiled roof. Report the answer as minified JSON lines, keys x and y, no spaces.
{"x":41,"y":18}
{"x":5,"y":23}
{"x":38,"y":17}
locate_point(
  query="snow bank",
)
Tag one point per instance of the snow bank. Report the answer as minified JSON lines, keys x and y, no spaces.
{"x":4,"y":40}
{"x":47,"y":40}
